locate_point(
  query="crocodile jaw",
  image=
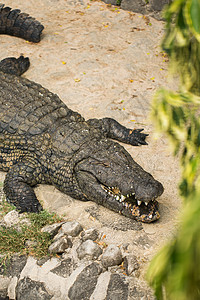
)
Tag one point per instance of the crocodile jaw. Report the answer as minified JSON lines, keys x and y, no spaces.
{"x":146,"y":212}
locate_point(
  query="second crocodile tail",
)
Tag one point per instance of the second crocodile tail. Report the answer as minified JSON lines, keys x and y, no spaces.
{"x":13,"y":22}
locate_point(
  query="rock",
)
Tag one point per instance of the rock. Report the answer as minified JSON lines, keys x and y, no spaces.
{"x":157,"y":5}
{"x":11,"y":218}
{"x":90,"y":234}
{"x":13,"y":265}
{"x":89,"y":276}
{"x":52,"y":229}
{"x":42,"y":261}
{"x":89,"y":249}
{"x":137,"y":293}
{"x":112,"y":256}
{"x":130,"y":264}
{"x":60,"y":245}
{"x":66,"y":268}
{"x":151,"y":7}
{"x":117,"y":288}
{"x":58,"y":236}
{"x":30,"y":289}
{"x":30,"y":244}
{"x":71,"y":228}
{"x":138,"y":6}
{"x":3,"y":297}
{"x":14,"y":219}
{"x":12,"y":288}
{"x":4,"y":283}
{"x":100,"y":291}
{"x":113,"y":2}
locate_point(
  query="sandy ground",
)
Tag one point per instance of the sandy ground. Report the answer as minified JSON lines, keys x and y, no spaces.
{"x":103,"y":61}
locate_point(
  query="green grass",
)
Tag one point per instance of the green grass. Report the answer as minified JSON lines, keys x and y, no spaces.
{"x":13,"y":241}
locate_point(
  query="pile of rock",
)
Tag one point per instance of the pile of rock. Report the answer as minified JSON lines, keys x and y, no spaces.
{"x":85,"y":267}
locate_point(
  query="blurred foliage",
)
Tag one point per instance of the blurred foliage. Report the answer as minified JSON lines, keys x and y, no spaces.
{"x":181,"y":41}
{"x":177,"y":114}
{"x":174,"y":273}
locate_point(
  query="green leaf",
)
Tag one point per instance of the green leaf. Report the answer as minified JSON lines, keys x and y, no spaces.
{"x":195,"y":14}
{"x":192,"y":16}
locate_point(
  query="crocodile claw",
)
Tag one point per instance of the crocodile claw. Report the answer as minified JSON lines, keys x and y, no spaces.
{"x":137,"y":138}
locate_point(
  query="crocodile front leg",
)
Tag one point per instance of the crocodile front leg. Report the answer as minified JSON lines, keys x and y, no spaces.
{"x":18,"y":185}
{"x":112,"y":129}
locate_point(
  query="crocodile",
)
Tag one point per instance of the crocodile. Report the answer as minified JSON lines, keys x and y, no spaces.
{"x":42,"y":141}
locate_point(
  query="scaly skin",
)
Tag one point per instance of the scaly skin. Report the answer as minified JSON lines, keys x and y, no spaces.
{"x":43,"y":141}
{"x":15,"y":23}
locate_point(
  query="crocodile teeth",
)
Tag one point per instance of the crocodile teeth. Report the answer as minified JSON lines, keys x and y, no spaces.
{"x":146,"y":203}
{"x":117,"y":197}
{"x":123,"y":197}
{"x":139,"y":202}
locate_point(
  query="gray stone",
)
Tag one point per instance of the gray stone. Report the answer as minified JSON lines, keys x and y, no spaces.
{"x":14,"y":219}
{"x":66,"y":268}
{"x":157,"y":5}
{"x":42,"y":260}
{"x":88,"y":276}
{"x":154,"y":7}
{"x":130,"y":264}
{"x":112,"y":256}
{"x":11,"y":219}
{"x":100,"y":291}
{"x":117,"y":288}
{"x":60,"y":245}
{"x":13,"y":266}
{"x":3,"y":296}
{"x":71,"y":228}
{"x":89,"y":249}
{"x":138,"y":6}
{"x":30,"y":244}
{"x":52,"y":229}
{"x":32,"y":290}
{"x":4,"y":283}
{"x":12,"y":288}
{"x":138,"y":293}
{"x":58,"y":236}
{"x":113,"y":2}
{"x":90,"y":234}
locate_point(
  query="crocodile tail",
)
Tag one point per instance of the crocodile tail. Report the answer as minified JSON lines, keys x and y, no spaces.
{"x":15,"y":23}
{"x":15,"y":66}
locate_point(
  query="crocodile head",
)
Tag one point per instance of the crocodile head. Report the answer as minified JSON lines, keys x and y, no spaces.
{"x":109,"y":176}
